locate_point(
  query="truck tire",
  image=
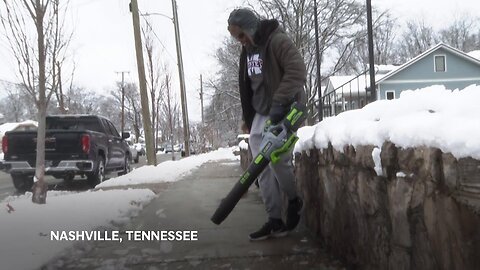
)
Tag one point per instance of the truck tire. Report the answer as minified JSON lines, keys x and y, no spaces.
{"x":22,"y":182}
{"x":98,"y":175}
{"x":127,"y":166}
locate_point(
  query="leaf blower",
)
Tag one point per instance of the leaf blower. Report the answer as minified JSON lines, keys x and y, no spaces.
{"x":277,"y":140}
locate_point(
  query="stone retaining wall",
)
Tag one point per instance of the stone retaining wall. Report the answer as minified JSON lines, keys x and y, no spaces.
{"x":420,"y":213}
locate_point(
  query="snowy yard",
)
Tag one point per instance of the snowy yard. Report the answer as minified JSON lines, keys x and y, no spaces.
{"x":25,"y":227}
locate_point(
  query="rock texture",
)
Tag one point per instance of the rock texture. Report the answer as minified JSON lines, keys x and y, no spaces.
{"x":421,"y":213}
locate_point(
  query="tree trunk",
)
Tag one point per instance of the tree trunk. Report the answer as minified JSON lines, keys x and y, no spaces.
{"x":40,"y":187}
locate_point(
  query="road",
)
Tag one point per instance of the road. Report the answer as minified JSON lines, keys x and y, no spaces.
{"x":7,"y":189}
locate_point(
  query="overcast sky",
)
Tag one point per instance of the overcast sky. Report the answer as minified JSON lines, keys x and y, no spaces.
{"x":103,"y":37}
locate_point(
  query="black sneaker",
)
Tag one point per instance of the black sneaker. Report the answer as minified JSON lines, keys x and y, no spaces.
{"x":295,"y":208}
{"x":273,"y":228}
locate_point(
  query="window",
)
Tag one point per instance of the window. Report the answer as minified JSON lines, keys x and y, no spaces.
{"x":390,"y":95}
{"x":113,"y":130}
{"x":440,"y":63}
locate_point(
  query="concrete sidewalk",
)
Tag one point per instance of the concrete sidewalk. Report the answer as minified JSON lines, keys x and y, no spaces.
{"x":188,"y":205}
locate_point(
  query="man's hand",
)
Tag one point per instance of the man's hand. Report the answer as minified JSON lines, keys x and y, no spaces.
{"x":277,"y":113}
{"x":244,"y":128}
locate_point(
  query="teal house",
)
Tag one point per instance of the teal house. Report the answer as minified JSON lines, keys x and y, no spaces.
{"x":440,"y":65}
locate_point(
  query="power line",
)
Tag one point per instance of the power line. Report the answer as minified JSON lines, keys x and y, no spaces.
{"x":156,"y":36}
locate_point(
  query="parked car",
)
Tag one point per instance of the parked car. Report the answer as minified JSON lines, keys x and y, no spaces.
{"x":177,"y":147}
{"x":140,"y":147}
{"x":192,"y":151}
{"x":168,"y":148}
{"x":133,"y":150}
{"x":86,"y":145}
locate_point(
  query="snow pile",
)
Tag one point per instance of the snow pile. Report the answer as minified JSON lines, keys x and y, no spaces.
{"x":432,"y":116}
{"x":168,"y":171}
{"x":26,"y":229}
{"x":243,"y":145}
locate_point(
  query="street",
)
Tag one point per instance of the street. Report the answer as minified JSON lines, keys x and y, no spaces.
{"x":7,"y":189}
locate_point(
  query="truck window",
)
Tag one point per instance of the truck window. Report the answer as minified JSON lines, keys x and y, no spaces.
{"x":110,"y":128}
{"x":113,"y":129}
{"x":74,"y":123}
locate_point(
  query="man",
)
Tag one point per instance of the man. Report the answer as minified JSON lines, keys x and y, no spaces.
{"x":272,"y":77}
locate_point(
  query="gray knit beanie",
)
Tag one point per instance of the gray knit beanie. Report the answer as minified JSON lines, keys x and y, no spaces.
{"x":245,"y":19}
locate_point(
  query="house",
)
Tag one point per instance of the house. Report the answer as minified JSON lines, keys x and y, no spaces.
{"x":349,"y":92}
{"x":440,"y":65}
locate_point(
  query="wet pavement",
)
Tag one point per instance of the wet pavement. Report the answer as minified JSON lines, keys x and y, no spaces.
{"x":187,"y":205}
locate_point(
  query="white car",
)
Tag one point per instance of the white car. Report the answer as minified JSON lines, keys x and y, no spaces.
{"x":133,"y":150}
{"x":140,"y":148}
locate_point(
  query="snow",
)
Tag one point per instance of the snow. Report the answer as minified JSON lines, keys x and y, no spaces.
{"x":432,"y":116}
{"x":243,"y":136}
{"x":11,"y":126}
{"x":243,"y":145}
{"x":377,"y":160}
{"x":25,"y":231}
{"x":475,"y":54}
{"x":168,"y":171}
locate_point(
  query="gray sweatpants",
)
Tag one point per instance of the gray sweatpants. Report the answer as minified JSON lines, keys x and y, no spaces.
{"x":276,"y":177}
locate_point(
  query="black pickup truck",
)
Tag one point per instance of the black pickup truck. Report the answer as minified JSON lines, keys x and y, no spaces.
{"x":85,"y":145}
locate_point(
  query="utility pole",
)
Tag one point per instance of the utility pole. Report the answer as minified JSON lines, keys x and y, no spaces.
{"x":147,"y":122}
{"x":183,"y":96}
{"x":201,"y":97}
{"x":317,"y":57}
{"x":370,"y":52}
{"x":123,"y":98}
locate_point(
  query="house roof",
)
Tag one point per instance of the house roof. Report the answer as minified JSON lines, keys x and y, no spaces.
{"x":424,"y":54}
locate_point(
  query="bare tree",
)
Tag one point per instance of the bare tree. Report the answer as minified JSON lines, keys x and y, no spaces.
{"x":13,"y":106}
{"x":78,"y":100}
{"x":460,"y":33}
{"x":155,"y":72}
{"x":223,"y":113}
{"x":133,"y":109}
{"x":418,"y":38}
{"x":384,"y":37}
{"x":340,"y":28}
{"x":132,"y":117}
{"x":171,"y":111}
{"x":37,"y":56}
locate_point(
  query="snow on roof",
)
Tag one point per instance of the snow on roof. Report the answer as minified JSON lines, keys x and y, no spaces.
{"x":475,"y":54}
{"x":382,"y":69}
{"x":432,"y":116}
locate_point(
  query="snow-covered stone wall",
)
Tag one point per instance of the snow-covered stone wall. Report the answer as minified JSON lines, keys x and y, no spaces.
{"x":393,"y":208}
